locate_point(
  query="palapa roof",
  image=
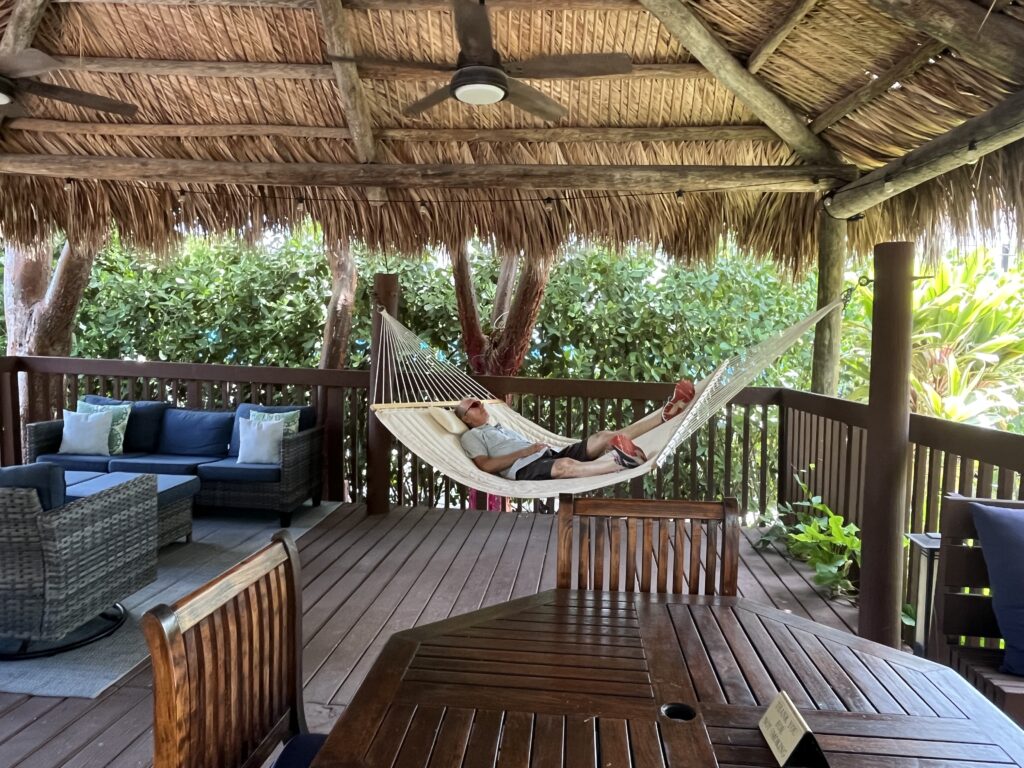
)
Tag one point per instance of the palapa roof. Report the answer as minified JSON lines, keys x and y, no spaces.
{"x":838,"y":47}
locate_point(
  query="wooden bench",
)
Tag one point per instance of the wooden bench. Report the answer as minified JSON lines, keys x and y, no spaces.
{"x":965,"y":633}
{"x":645,"y":545}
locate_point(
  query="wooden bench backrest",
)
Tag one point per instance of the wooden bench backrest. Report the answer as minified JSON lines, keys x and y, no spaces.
{"x":649,"y":545}
{"x":227,"y":664}
{"x":960,"y":613}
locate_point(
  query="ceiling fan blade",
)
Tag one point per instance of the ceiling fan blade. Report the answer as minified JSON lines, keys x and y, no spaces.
{"x":77,"y":97}
{"x":528,"y":98}
{"x":27,"y":63}
{"x":428,"y":101}
{"x":573,"y":65}
{"x":473,"y":28}
{"x":12,"y":110}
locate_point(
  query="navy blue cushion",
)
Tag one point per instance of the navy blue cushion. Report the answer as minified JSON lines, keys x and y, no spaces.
{"x":74,"y":477}
{"x":307,"y":418}
{"x":77,"y":461}
{"x":1002,"y":541}
{"x":159,"y":464}
{"x":229,"y":469}
{"x":169,"y":488}
{"x":46,"y":478}
{"x":300,"y":750}
{"x":142,"y":435}
{"x":196,"y":433}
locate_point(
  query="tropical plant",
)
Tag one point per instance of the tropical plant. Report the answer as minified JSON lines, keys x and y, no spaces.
{"x":968,"y":343}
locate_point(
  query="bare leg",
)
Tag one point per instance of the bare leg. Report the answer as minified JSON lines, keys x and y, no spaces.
{"x":571,"y":468}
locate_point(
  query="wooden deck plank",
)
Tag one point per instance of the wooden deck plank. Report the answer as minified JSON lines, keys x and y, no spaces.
{"x":365,"y":578}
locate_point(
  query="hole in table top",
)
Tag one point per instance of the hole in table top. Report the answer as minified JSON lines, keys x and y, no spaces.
{"x":678,"y":711}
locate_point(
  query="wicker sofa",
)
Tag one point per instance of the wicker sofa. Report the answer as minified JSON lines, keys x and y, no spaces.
{"x":62,"y":566}
{"x":163,"y":440}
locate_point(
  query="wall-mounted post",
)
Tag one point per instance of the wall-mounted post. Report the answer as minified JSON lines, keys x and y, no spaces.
{"x":888,"y":441}
{"x":378,"y":448}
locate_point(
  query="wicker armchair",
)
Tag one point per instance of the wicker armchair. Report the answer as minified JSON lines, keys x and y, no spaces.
{"x":62,"y":568}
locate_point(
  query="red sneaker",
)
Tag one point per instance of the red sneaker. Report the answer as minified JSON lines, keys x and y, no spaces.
{"x":681,"y":395}
{"x":626,"y":449}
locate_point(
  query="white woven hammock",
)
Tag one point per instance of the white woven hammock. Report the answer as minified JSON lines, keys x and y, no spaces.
{"x":416,"y":378}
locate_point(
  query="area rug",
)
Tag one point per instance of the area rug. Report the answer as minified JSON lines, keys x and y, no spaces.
{"x":218,"y":543}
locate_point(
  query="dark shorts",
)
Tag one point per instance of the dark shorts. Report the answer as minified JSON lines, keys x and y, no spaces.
{"x":540,"y":469}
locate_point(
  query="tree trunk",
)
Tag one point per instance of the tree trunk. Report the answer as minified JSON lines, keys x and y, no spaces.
{"x":338,"y":325}
{"x":502,"y":352}
{"x":41,"y":302}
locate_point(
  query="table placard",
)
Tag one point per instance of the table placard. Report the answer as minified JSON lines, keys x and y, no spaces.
{"x":789,"y":737}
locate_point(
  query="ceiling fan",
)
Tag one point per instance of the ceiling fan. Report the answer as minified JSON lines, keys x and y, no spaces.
{"x":17,"y":76}
{"x":482,"y":78}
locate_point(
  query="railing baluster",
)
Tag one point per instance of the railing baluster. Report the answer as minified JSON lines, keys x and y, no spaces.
{"x":727,"y":480}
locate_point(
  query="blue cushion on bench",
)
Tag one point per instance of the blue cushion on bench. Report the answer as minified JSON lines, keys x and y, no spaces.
{"x":46,"y":478}
{"x":230,"y":470}
{"x":307,"y":418}
{"x":1002,"y":541}
{"x":142,"y":435}
{"x":169,"y":488}
{"x":78,"y":461}
{"x":196,"y":433}
{"x":300,"y":750}
{"x":160,"y":464}
{"x":75,"y":476}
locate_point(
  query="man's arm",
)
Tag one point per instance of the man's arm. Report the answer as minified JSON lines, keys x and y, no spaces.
{"x":495,"y":464}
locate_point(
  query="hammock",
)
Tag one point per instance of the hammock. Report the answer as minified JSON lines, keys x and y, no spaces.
{"x":416,"y":380}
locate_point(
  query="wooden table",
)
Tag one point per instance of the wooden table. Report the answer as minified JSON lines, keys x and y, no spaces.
{"x":579,"y":679}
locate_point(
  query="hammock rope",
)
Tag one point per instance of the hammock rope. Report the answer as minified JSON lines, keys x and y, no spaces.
{"x":416,"y":378}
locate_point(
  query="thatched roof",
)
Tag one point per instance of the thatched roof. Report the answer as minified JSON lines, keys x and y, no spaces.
{"x":837,"y":48}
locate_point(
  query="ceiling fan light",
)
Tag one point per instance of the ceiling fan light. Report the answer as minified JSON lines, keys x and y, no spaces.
{"x":5,"y":98}
{"x":479,"y":93}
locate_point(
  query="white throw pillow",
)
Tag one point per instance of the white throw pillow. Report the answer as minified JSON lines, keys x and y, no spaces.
{"x":259,"y":442}
{"x":448,"y":420}
{"x":86,"y":433}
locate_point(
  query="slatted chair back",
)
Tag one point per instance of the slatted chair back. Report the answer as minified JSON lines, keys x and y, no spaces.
{"x":648,"y":545}
{"x":227,"y":664}
{"x":963,"y":605}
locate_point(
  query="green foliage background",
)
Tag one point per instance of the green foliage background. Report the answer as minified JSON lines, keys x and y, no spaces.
{"x":607,"y":315}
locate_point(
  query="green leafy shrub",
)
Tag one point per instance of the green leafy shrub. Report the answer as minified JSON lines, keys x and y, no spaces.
{"x":968,"y":343}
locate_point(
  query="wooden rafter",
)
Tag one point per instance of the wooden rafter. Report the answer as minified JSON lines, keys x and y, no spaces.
{"x":622,"y":178}
{"x":991,"y":41}
{"x":965,"y":144}
{"x":867,"y":93}
{"x":353,"y":100}
{"x":775,"y":38}
{"x":22,"y":25}
{"x":370,"y":70}
{"x":491,"y":135}
{"x":686,"y":26}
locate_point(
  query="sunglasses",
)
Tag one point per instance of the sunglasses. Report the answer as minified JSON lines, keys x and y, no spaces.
{"x":460,"y":412}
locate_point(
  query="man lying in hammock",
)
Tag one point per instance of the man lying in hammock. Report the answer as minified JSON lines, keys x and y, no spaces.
{"x":502,"y":451}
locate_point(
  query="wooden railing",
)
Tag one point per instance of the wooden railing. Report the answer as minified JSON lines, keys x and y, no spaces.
{"x":753,"y":450}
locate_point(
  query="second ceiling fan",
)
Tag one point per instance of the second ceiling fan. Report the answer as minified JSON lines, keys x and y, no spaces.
{"x":482,"y":78}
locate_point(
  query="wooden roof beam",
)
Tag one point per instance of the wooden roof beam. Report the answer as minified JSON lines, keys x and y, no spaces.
{"x":491,"y":135}
{"x":22,"y":25}
{"x":395,"y":5}
{"x":775,"y":38}
{"x":993,"y":42}
{"x":616,"y":178}
{"x":689,"y":29}
{"x":965,"y":144}
{"x":370,"y":70}
{"x":867,"y":93}
{"x":350,"y":90}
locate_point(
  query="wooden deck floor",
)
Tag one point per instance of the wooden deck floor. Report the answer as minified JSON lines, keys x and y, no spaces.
{"x":365,"y":578}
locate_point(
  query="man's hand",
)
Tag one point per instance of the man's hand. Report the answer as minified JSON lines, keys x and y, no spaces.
{"x":532,"y":449}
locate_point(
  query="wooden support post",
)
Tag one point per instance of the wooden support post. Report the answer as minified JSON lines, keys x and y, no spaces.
{"x":378,"y":446}
{"x":831,"y":261}
{"x":888,"y":441}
